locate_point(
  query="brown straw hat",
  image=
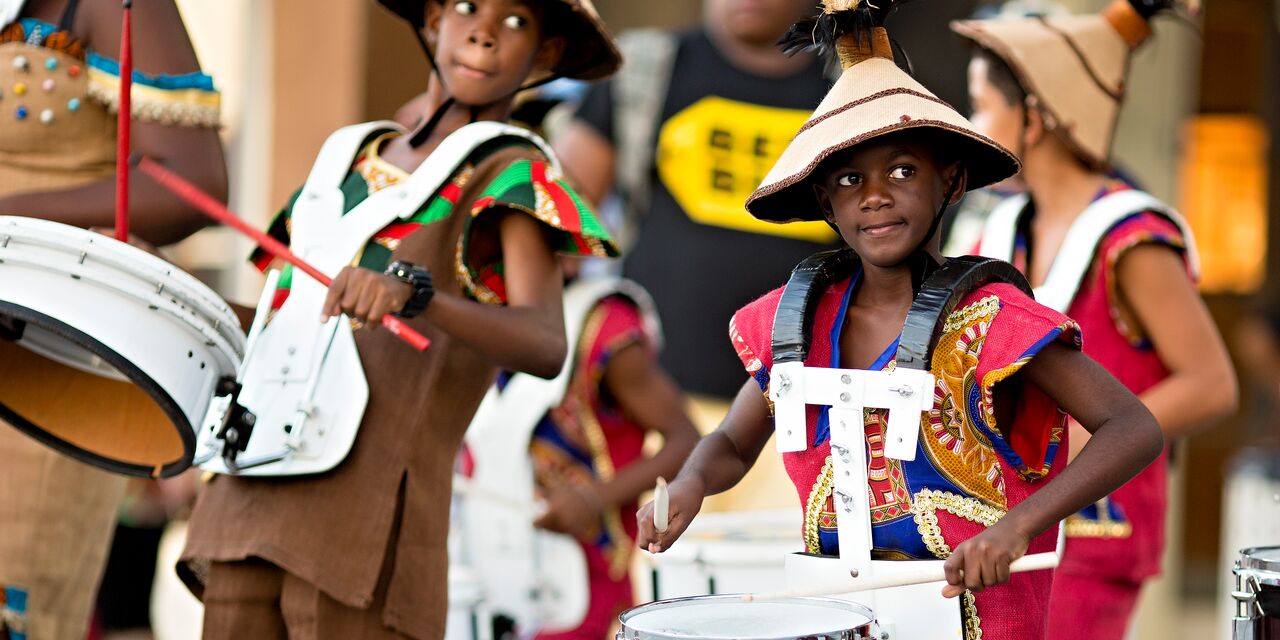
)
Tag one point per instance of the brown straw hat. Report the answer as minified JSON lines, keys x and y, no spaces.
{"x":872,"y":98}
{"x":1074,"y":66}
{"x":590,"y":52}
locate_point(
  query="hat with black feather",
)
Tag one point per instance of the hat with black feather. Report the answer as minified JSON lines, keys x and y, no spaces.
{"x":872,"y":98}
{"x":1074,"y":67}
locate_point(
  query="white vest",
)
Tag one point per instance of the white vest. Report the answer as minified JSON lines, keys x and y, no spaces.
{"x":302,"y":380}
{"x":1081,"y":244}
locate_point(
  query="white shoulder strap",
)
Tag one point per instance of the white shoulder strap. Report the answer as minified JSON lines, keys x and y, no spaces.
{"x":1001,"y":229}
{"x":1081,"y":244}
{"x":334,"y":160}
{"x":320,"y":203}
{"x":514,"y":411}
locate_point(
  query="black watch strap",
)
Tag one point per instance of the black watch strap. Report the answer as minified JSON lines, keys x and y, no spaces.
{"x":417,"y":277}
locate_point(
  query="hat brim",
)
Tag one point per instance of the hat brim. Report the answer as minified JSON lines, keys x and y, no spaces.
{"x":792,"y":199}
{"x":872,"y":99}
{"x":590,"y":52}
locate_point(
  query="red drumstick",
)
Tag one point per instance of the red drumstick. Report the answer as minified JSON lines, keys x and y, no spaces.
{"x":214,"y":209}
{"x":123,"y":119}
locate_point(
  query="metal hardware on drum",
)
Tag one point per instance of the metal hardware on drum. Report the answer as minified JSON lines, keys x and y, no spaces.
{"x":1257,"y":595}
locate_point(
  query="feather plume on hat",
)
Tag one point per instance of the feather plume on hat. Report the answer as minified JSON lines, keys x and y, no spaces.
{"x":853,"y":30}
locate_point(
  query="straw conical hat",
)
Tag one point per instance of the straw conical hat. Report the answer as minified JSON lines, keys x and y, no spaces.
{"x":1075,"y":66}
{"x":590,"y":52}
{"x":872,"y":98}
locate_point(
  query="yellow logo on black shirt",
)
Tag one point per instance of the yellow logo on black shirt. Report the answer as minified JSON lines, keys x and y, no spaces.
{"x":715,"y":152}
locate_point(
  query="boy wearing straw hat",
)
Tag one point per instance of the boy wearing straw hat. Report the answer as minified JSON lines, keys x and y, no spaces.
{"x":360,"y":550}
{"x":879,"y":160}
{"x":1116,"y":260}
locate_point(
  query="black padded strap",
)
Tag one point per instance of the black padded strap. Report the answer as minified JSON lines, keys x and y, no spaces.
{"x":937,"y":299}
{"x":793,"y":321}
{"x":939,"y":296}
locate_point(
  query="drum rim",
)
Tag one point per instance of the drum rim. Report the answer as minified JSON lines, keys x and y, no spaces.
{"x":135,"y":375}
{"x":737,"y":598}
{"x":1249,"y":561}
{"x":201,"y":300}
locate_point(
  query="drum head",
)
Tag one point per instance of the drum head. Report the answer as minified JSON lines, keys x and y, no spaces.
{"x":1261,"y":559}
{"x":117,"y":418}
{"x":727,"y":617}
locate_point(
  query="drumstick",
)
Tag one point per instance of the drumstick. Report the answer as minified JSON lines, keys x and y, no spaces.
{"x":193,"y":196}
{"x":900,"y":578}
{"x":661,"y":505}
{"x":123,"y":120}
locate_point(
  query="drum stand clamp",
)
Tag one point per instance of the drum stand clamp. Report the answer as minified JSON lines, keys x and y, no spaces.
{"x":235,"y":430}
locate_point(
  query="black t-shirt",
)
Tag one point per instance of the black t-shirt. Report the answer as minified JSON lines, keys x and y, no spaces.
{"x":699,"y":252}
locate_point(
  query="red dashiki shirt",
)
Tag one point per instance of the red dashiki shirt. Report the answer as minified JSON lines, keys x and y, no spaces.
{"x":586,"y":439}
{"x":966,"y":475}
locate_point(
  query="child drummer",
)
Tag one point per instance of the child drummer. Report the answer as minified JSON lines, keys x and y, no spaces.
{"x":880,"y":160}
{"x":360,"y":551}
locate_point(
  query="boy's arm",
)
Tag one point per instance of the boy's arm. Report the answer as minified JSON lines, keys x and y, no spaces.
{"x":651,"y":399}
{"x":525,"y":335}
{"x":718,"y":463}
{"x":1201,"y":386}
{"x":1125,"y":440}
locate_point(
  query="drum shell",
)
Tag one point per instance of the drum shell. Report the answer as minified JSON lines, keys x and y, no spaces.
{"x":104,"y":320}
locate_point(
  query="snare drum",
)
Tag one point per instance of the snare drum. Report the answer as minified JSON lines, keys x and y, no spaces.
{"x":1257,"y":595}
{"x":732,"y":552}
{"x":728,"y":617}
{"x":107,"y":353}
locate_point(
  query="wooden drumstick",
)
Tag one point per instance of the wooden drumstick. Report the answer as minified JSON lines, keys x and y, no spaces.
{"x":206,"y":204}
{"x":900,"y":578}
{"x":661,"y":506}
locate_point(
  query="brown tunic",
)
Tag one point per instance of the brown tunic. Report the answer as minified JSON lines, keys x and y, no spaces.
{"x":332,"y":529}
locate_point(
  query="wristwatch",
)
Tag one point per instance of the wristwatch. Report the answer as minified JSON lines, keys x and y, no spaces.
{"x":417,"y":277}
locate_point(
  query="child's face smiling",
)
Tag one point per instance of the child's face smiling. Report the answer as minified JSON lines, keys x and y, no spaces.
{"x":487,"y":49}
{"x":883,"y":196}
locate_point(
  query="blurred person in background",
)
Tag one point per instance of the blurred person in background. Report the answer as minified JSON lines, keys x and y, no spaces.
{"x":684,"y":133}
{"x":58,"y":90}
{"x":1118,"y":261}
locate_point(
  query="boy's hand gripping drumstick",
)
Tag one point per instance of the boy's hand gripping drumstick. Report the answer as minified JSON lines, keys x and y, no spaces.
{"x":901,"y":578}
{"x":661,"y":505}
{"x":193,"y":196}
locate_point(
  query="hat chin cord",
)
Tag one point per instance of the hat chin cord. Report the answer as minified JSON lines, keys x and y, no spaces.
{"x":923,"y":263}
